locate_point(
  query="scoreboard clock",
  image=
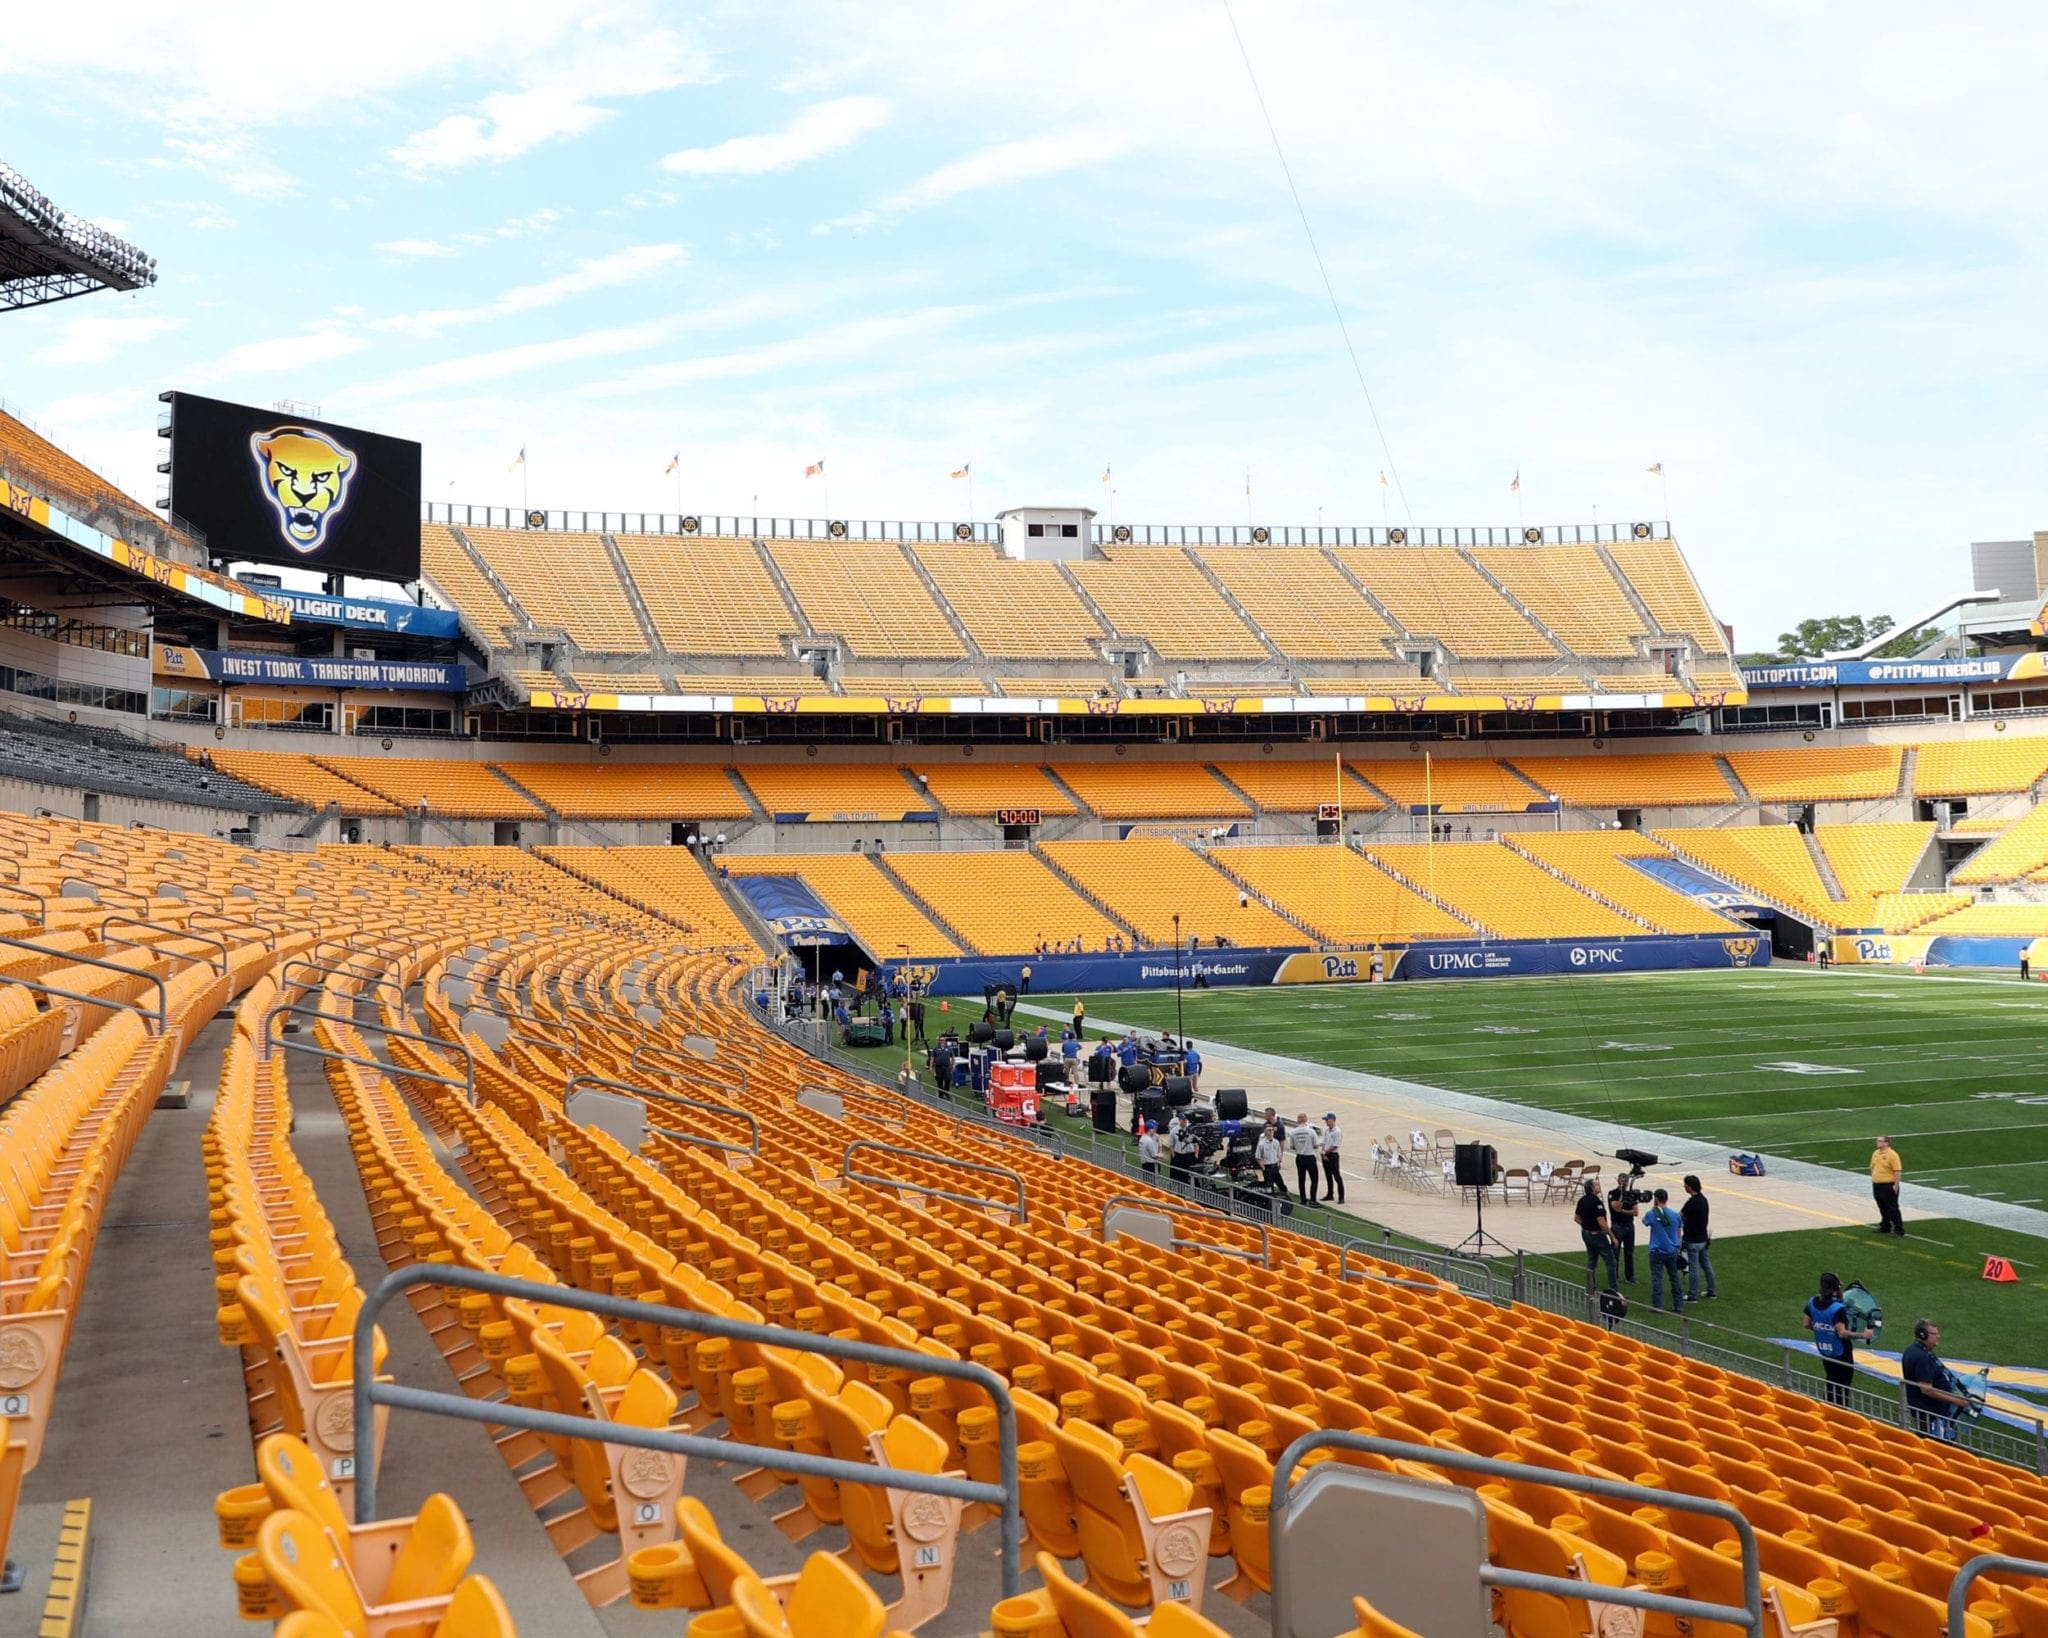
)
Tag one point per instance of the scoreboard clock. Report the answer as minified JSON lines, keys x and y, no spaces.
{"x":1018,"y":816}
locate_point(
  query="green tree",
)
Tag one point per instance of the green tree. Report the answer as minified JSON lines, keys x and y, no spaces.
{"x":1837,"y":632}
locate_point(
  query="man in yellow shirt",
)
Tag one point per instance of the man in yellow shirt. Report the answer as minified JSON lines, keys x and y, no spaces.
{"x":1885,"y":1171}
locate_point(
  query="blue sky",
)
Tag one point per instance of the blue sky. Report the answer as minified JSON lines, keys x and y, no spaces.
{"x":1791,"y":251}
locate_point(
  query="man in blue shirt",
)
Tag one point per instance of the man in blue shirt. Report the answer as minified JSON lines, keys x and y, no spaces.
{"x":1930,"y":1390}
{"x":1664,"y":1227}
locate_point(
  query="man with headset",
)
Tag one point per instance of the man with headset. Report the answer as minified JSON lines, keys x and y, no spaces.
{"x":1931,"y":1391}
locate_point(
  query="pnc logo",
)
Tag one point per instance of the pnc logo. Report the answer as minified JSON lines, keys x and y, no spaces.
{"x":1583,"y":957}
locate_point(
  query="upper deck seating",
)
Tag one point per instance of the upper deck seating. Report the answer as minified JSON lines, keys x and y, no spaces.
{"x":1157,"y":592}
{"x":451,"y":572}
{"x":1013,"y":610}
{"x":1302,"y":601}
{"x":564,"y":580}
{"x":1161,"y":888}
{"x":708,"y":596}
{"x":301,"y":779}
{"x":1571,"y":590}
{"x":867,"y":593}
{"x":1661,"y":578}
{"x":1436,"y":593}
{"x":1501,"y":890}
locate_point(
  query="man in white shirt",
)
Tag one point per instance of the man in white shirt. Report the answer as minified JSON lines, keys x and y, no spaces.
{"x":1148,"y":1148}
{"x":1332,"y":1144}
{"x":1267,"y":1153}
{"x":1306,"y":1142}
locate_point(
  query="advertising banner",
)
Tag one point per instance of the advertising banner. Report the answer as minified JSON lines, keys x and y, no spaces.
{"x":291,"y":671}
{"x":1146,"y":970}
{"x":1937,"y":950}
{"x":1887,"y":673}
{"x":1512,"y":958}
{"x":369,"y":614}
{"x":268,"y":487}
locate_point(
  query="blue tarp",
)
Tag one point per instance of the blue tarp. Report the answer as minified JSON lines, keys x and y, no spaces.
{"x":1697,"y":885}
{"x":789,"y":906}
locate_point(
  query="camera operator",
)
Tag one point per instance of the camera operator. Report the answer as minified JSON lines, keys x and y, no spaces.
{"x":1593,"y":1230}
{"x":1187,"y":1148}
{"x":1828,"y":1318}
{"x":1931,"y":1392}
{"x":1622,"y":1203}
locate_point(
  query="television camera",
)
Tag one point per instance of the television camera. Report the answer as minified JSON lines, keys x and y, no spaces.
{"x":1630,"y":1183}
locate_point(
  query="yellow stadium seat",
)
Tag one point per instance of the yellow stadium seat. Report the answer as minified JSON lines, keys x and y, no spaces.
{"x":827,"y":1600}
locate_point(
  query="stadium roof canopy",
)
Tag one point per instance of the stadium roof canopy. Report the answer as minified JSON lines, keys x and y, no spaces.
{"x":47,"y":254}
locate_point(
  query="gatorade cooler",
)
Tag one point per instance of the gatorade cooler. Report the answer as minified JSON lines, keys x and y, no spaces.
{"x":1013,"y":1093}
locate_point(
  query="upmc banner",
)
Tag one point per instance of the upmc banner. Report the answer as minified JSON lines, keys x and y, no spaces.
{"x":1060,"y":975}
{"x":268,"y":487}
{"x":1508,"y":958}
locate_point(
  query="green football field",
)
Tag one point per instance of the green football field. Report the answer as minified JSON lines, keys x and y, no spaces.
{"x":1796,"y":1064}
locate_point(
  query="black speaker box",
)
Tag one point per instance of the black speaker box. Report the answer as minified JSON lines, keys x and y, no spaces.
{"x":1474,"y":1165}
{"x":1232,"y":1103}
{"x":1135,"y":1078}
{"x":1003,"y":1040}
{"x":1036,"y":1047}
{"x":1180,"y":1091}
{"x":980,"y":1030}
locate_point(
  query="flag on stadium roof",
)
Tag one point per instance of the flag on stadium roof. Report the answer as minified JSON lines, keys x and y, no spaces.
{"x":1656,"y":471}
{"x":815,"y":468}
{"x":518,"y":460}
{"x":1515,"y":484}
{"x":961,"y":470}
{"x":674,"y":461}
{"x":1105,"y":474}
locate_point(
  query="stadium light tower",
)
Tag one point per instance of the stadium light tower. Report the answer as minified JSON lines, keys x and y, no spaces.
{"x":47,"y":254}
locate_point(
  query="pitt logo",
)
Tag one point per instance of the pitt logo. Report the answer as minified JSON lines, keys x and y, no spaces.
{"x":305,"y":477}
{"x":1742,"y":951}
{"x":1339,"y":967}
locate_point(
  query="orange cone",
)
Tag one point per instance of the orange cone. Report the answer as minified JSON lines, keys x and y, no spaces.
{"x":1999,"y":1272}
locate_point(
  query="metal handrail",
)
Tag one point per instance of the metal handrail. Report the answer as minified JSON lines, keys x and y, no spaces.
{"x":1344,"y":1261}
{"x":752,"y":1147}
{"x":42,"y":899}
{"x":267,"y":1041}
{"x":1750,"y":1616}
{"x":376,"y":981}
{"x":162,"y":927}
{"x":369,"y":1393}
{"x":679,"y":1065}
{"x":1983,"y":1564}
{"x":1264,"y":1254}
{"x":266,"y":935}
{"x":162,"y":1015}
{"x":847,"y":1172}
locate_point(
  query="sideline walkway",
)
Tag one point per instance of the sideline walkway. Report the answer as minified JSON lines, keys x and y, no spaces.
{"x":1796,"y":1194}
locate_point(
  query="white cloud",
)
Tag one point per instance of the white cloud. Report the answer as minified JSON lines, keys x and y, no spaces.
{"x":233,"y":162}
{"x":623,"y":267}
{"x":282,"y":353}
{"x":96,"y":338}
{"x":1008,"y":162}
{"x":510,"y":123}
{"x":821,"y":129}
{"x":411,"y":249}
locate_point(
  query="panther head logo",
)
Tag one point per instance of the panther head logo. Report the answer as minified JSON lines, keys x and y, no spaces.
{"x":305,"y":477}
